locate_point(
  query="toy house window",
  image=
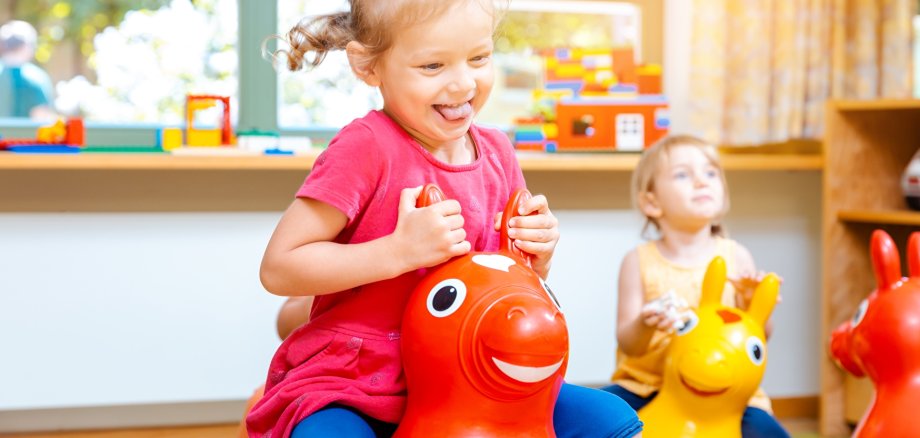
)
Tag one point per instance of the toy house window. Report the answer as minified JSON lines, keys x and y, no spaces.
{"x":330,"y":95}
{"x":131,"y":62}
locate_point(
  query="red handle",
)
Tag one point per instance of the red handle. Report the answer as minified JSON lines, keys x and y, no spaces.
{"x":431,"y":194}
{"x":518,"y":198}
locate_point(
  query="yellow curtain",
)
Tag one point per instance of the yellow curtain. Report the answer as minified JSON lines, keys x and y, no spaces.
{"x":761,"y":70}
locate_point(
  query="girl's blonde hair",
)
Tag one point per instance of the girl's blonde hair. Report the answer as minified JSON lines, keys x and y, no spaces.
{"x":653,"y":160}
{"x":372,"y":23}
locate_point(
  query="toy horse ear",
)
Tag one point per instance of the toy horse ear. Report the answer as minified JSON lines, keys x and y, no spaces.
{"x":764,"y":299}
{"x":885,"y":260}
{"x":506,"y":244}
{"x":714,"y":282}
{"x":913,"y":254}
{"x":431,"y":194}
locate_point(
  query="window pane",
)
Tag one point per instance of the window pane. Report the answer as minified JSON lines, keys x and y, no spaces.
{"x":129,"y":61}
{"x":532,"y":26}
{"x":330,"y":95}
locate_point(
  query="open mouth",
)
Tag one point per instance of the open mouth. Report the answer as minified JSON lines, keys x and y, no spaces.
{"x":700,"y":392}
{"x":524,"y":373}
{"x":453,"y":113}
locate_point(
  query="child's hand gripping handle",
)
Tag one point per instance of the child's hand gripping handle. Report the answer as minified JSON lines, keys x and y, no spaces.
{"x":431,"y":194}
{"x":518,"y":198}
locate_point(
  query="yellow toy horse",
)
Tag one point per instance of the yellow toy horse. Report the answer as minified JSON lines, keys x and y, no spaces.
{"x":714,"y":365}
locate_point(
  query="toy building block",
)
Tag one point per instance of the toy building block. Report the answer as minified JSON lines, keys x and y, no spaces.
{"x":54,"y":133}
{"x":649,"y":79}
{"x":609,"y":124}
{"x":76,"y":133}
{"x":207,"y":137}
{"x":169,"y":138}
{"x":256,"y":140}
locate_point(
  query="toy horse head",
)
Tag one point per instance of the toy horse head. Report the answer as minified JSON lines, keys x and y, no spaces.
{"x":484,"y":344}
{"x":882,"y":339}
{"x":714,"y":365}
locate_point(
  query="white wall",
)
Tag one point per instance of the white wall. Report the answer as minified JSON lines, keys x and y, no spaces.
{"x":141,"y":308}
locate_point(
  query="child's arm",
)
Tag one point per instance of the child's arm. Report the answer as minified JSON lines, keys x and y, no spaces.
{"x":537,"y":234}
{"x":302,"y":259}
{"x":636,"y":323}
{"x":294,"y":313}
{"x":746,"y":281}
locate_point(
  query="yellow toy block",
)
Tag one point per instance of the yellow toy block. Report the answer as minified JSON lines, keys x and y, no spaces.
{"x":203,"y":137}
{"x":52,"y":133}
{"x":171,"y":138}
{"x":570,"y":71}
{"x":550,"y":131}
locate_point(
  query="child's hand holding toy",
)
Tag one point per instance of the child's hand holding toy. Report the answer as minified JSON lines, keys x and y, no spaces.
{"x":667,"y":313}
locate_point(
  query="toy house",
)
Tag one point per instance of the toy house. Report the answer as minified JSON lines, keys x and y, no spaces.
{"x":595,"y":99}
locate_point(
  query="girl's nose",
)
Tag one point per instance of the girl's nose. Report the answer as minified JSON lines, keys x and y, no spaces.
{"x":699,"y":180}
{"x":463,"y":81}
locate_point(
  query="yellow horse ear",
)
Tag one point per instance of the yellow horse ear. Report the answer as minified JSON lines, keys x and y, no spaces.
{"x":764,"y":299}
{"x":714,"y":282}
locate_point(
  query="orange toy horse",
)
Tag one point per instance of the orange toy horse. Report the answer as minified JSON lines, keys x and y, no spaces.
{"x":882,"y":340}
{"x":484,"y":345}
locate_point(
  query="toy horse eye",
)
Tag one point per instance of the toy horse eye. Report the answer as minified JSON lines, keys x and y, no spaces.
{"x":446,"y":297}
{"x":689,"y":324}
{"x":860,"y":312}
{"x":755,"y":350}
{"x":552,"y":296}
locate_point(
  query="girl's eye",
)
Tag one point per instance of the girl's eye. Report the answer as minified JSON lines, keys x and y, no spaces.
{"x":681,"y":175}
{"x":480,"y":58}
{"x":431,"y":67}
{"x":712,"y":173}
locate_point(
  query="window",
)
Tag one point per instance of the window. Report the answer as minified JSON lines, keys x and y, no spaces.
{"x":100,"y":59}
{"x":128,"y":61}
{"x":331,"y":96}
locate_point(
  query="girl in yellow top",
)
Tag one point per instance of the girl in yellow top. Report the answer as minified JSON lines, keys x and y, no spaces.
{"x":680,"y":188}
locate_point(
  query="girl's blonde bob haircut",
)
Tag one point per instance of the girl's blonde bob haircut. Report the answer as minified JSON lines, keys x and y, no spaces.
{"x":654,"y":160}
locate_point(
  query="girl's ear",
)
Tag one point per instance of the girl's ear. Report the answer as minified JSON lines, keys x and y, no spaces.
{"x":648,"y":205}
{"x":361,"y":64}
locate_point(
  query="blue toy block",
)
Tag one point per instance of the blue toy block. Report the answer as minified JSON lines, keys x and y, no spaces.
{"x":44,"y":149}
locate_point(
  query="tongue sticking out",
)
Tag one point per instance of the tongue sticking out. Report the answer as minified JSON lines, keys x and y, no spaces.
{"x":455,"y":112}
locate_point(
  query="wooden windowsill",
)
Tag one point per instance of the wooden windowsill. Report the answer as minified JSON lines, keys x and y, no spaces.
{"x":530,"y":161}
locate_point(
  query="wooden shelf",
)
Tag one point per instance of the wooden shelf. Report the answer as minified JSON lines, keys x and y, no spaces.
{"x":880,"y":217}
{"x":875,"y":105}
{"x":867,"y":144}
{"x":530,"y":161}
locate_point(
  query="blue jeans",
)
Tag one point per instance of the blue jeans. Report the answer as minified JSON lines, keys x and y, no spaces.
{"x":755,"y":423}
{"x":580,"y":413}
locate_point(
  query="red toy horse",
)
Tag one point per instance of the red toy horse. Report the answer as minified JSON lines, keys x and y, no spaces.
{"x":484,"y":344}
{"x":882,"y":340}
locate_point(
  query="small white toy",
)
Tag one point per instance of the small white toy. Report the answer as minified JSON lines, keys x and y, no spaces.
{"x":674,"y":308}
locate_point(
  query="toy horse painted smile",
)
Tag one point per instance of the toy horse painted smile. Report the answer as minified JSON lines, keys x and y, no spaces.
{"x":882,"y":340}
{"x":714,"y":364}
{"x":484,"y":344}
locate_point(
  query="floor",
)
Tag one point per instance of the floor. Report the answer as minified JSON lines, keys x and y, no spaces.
{"x":798,"y":428}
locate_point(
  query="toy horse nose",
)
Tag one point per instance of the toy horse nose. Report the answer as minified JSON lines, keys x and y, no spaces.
{"x":707,"y":368}
{"x":840,"y":350}
{"x":523,"y":324}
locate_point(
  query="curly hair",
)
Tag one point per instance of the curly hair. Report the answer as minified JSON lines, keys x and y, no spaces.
{"x":372,"y":23}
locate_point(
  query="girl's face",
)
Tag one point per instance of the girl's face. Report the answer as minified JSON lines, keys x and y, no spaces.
{"x":438,"y":74}
{"x":688,"y":188}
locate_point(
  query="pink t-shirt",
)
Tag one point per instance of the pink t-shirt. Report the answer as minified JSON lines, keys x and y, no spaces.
{"x":349,"y":352}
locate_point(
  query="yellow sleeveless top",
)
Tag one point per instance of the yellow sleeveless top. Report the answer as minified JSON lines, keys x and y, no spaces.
{"x":642,"y":375}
